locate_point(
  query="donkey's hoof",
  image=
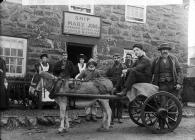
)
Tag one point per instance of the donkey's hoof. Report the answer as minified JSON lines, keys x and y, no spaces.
{"x":62,"y":130}
{"x":103,"y":129}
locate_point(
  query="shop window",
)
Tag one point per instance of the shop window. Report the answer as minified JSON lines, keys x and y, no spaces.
{"x":85,"y":9}
{"x":13,"y":50}
{"x":135,"y":13}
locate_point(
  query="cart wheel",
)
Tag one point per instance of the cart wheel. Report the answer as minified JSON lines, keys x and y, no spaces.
{"x":161,"y":112}
{"x":135,"y":109}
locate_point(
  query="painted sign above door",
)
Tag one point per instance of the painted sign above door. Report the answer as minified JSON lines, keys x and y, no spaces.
{"x":80,"y":24}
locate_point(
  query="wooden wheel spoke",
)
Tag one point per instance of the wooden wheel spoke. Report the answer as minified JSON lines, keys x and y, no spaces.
{"x":171,"y":119}
{"x":166,"y":122}
{"x":151,"y":107}
{"x":172,"y":105}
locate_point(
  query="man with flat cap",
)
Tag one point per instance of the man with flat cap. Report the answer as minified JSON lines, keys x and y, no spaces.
{"x":114,"y":73}
{"x":62,"y":69}
{"x":140,"y":71}
{"x":166,"y":70}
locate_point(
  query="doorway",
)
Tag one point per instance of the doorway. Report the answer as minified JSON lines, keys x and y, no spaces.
{"x":74,"y":50}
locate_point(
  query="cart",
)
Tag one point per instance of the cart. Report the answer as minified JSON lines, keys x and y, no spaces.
{"x":160,"y":113}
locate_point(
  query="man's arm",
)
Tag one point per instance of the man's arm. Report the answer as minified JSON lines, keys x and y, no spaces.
{"x":179,"y":72}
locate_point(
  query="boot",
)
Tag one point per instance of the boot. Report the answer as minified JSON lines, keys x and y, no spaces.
{"x":122,"y":93}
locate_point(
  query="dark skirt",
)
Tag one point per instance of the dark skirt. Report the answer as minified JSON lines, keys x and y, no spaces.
{"x":4,"y":99}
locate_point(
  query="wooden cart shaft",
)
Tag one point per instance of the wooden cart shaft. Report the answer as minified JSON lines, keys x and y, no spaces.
{"x":91,"y":96}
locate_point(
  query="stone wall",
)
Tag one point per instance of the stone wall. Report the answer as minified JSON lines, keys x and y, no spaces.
{"x":42,"y":26}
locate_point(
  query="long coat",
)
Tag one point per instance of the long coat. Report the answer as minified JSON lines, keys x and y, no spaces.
{"x":3,"y":93}
{"x":175,"y":68}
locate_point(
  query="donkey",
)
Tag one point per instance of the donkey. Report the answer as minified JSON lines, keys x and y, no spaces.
{"x":90,"y":87}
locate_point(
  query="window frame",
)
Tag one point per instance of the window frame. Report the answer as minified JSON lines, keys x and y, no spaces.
{"x":23,"y":46}
{"x":72,"y":10}
{"x":136,"y":6}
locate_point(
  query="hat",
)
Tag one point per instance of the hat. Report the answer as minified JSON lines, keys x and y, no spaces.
{"x":43,"y":55}
{"x":91,"y":62}
{"x":82,"y":56}
{"x":116,"y":54}
{"x":164,"y":46}
{"x":138,"y":46}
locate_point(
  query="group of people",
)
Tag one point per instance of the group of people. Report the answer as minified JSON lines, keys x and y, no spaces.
{"x":164,"y":72}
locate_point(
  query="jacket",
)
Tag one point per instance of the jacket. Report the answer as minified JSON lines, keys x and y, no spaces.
{"x":64,"y":70}
{"x":143,"y":65}
{"x":175,"y":68}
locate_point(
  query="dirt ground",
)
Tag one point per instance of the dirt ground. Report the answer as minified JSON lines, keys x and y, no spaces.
{"x":87,"y":131}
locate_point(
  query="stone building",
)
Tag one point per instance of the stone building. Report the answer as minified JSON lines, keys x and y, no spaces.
{"x":28,"y":31}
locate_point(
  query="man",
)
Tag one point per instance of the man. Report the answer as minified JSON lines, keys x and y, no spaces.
{"x":63,"y":69}
{"x":140,"y":71}
{"x":90,"y":73}
{"x":114,"y":73}
{"x":128,"y":60}
{"x":167,"y":72}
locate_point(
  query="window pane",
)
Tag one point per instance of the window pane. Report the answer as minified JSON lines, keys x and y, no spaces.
{"x":13,"y":61}
{"x":13,"y":52}
{"x":1,"y":51}
{"x":20,"y":52}
{"x":7,"y":51}
{"x":19,"y":61}
{"x":7,"y":60}
{"x":12,"y":69}
{"x":19,"y":69}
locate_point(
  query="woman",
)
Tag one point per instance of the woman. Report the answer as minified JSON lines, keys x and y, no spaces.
{"x":81,"y":66}
{"x":4,"y":100}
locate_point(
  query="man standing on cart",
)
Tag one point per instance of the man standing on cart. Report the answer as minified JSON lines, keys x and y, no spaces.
{"x":167,"y":73}
{"x":140,"y":71}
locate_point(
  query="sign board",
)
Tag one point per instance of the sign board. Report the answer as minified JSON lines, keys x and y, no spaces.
{"x":81,"y":24}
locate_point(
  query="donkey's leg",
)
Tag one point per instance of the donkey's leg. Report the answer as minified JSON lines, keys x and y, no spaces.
{"x":62,"y":101}
{"x":67,"y":125}
{"x":107,"y":113}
